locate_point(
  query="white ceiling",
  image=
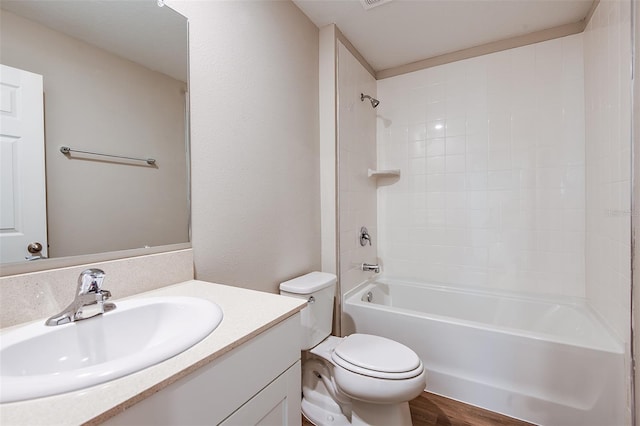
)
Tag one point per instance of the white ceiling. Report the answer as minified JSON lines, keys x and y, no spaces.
{"x":405,"y":31}
{"x":393,"y":34}
{"x":155,"y":37}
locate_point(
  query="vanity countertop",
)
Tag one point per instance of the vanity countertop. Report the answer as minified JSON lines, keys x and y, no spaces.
{"x":247,"y":313}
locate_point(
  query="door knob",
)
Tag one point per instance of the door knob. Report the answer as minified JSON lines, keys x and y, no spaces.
{"x":34,"y":248}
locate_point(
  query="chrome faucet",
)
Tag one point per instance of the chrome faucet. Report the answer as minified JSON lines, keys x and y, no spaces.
{"x":367,"y":267}
{"x":89,"y":301}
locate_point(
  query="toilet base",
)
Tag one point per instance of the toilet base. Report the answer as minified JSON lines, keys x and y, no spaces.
{"x":320,"y":408}
{"x":318,"y":405}
{"x":364,"y":413}
{"x":361,"y":415}
{"x":323,"y":415}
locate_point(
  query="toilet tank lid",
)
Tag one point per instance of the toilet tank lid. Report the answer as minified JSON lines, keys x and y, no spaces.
{"x":309,"y":283}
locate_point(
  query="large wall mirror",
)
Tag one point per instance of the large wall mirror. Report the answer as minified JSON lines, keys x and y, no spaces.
{"x":97,"y":77}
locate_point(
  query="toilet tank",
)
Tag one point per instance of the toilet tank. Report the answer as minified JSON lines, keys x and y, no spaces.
{"x":318,"y":288}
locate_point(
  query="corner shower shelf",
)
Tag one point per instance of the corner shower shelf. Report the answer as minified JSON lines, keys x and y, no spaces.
{"x":383,"y":173}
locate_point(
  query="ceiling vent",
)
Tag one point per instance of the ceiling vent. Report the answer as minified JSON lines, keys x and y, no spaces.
{"x":370,"y":4}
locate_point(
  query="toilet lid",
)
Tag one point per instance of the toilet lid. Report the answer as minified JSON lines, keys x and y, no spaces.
{"x":377,"y":357}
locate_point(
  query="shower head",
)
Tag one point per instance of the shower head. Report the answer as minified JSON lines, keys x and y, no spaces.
{"x":374,"y":102}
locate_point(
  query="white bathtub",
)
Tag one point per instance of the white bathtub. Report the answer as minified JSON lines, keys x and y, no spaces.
{"x":547,"y":362}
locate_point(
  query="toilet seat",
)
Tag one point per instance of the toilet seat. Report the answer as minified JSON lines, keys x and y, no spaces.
{"x":377,"y":357}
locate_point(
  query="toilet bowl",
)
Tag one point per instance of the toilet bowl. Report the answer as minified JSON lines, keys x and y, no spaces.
{"x":360,"y":379}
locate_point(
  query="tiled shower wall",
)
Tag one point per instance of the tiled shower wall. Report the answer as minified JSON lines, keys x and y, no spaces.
{"x":607,"y":54}
{"x":357,"y":153}
{"x":491,"y":150}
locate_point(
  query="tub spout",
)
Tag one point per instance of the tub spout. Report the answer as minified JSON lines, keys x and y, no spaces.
{"x":367,"y":267}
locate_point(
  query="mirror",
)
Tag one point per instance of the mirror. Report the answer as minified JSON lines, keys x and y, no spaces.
{"x":114,"y":75}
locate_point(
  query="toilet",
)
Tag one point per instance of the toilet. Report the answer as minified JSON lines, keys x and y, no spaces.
{"x":355,"y":380}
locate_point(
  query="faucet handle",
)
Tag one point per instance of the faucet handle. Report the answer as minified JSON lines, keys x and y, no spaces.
{"x":90,"y":281}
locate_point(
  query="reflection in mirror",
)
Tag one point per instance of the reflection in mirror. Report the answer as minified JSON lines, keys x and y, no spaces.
{"x":114,"y":78}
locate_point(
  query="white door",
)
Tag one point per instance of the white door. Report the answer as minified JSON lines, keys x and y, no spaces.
{"x":23,"y":216}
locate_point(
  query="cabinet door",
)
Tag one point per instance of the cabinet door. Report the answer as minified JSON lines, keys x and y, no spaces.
{"x":278,"y":404}
{"x":214,"y":392}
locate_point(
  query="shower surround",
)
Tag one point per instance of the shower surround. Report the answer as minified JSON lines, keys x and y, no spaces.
{"x":493,"y":160}
{"x":516,"y":169}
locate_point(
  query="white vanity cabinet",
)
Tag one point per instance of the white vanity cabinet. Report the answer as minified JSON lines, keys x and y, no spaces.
{"x":255,"y":383}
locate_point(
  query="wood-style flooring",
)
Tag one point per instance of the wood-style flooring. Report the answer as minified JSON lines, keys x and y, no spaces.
{"x":430,"y":409}
{"x":433,"y":410}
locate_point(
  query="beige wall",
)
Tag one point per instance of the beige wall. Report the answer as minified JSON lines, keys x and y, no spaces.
{"x":255,"y":149}
{"x":328,"y":135}
{"x":636,"y":207}
{"x":90,"y":94}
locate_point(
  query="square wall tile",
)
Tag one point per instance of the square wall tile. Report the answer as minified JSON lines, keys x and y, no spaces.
{"x":496,"y":171}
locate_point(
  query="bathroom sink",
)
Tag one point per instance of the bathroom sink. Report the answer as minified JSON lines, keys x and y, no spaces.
{"x":38,"y":360}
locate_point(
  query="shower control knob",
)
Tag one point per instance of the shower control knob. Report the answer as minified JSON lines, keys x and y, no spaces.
{"x":34,"y":248}
{"x":364,"y":236}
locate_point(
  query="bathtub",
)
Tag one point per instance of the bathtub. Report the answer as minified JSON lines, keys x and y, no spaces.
{"x":544,"y":361}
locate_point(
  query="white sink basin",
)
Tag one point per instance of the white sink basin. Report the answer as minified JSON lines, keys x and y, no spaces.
{"x":37,"y":360}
